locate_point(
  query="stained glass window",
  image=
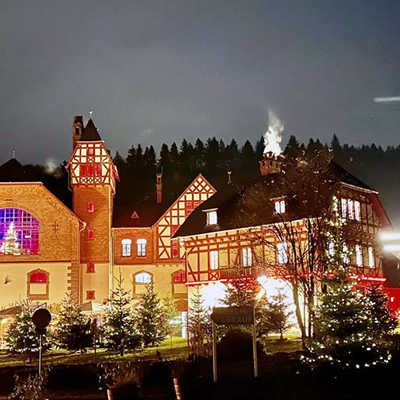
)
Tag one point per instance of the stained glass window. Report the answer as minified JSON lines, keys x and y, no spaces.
{"x":19,"y":232}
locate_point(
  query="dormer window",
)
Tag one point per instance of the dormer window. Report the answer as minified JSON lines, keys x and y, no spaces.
{"x":212,"y":218}
{"x":279,"y":206}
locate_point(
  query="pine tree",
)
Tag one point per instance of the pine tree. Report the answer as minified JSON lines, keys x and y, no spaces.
{"x":171,"y":315}
{"x":120,"y":331}
{"x":199,"y":324}
{"x":240,"y":292}
{"x":151,"y":319}
{"x":21,"y":337}
{"x":275,"y":316}
{"x":343,"y":322}
{"x":71,"y":329}
{"x":383,"y":321}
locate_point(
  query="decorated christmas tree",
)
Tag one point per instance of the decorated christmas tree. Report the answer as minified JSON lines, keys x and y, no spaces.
{"x":151,"y":318}
{"x":120,"y":330}
{"x":10,"y":244}
{"x":21,"y":336}
{"x":199,"y":326}
{"x":71,"y":326}
{"x":344,"y":322}
{"x":383,"y":322}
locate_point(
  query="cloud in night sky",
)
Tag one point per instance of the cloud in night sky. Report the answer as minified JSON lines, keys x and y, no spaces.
{"x":161,"y":71}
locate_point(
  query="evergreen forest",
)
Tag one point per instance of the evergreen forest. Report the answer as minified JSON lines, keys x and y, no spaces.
{"x":179,"y":164}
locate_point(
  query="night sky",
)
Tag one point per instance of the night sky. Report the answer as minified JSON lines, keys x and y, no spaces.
{"x":160,"y":71}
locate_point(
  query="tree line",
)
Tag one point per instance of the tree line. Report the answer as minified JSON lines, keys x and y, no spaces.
{"x":180,"y":164}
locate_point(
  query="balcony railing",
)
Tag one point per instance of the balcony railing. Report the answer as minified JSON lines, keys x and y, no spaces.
{"x":239,"y":272}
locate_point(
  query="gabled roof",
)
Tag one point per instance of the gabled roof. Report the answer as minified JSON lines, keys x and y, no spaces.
{"x":90,"y":132}
{"x":13,"y":171}
{"x":227,"y":201}
{"x":346,"y":177}
{"x":147,"y":210}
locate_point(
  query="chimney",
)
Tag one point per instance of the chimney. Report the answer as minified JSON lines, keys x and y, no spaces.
{"x":77,"y":130}
{"x":159,"y":187}
{"x":270,"y":164}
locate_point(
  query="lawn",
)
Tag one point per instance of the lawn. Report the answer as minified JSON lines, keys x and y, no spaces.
{"x":171,"y":348}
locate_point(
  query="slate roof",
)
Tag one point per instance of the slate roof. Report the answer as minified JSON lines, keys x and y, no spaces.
{"x":13,"y":171}
{"x":147,"y":211}
{"x":90,"y":132}
{"x":227,"y":200}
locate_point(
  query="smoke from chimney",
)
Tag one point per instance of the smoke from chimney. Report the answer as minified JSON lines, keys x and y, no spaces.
{"x":272,"y":137}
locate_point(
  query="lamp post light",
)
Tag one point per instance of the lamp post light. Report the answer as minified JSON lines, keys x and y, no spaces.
{"x":390,"y":241}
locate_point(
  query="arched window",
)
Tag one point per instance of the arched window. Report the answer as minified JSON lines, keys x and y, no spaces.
{"x":126,"y":247}
{"x":19,"y":232}
{"x":143,"y":277}
{"x":38,"y":285}
{"x":179,"y":289}
{"x":141,"y":247}
{"x":140,"y":280}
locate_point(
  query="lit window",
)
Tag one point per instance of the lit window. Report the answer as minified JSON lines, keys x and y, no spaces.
{"x":90,"y":268}
{"x":90,"y":207}
{"x":346,"y":258}
{"x":126,"y":247}
{"x":358,"y":255}
{"x":371,"y":258}
{"x":90,"y":234}
{"x":357,"y":213}
{"x":38,"y":285}
{"x":280,"y":207}
{"x":214,"y":259}
{"x":211,"y":217}
{"x":19,"y":232}
{"x":90,"y":295}
{"x":141,"y":247}
{"x":143,"y":277}
{"x":174,"y":249}
{"x":179,"y":277}
{"x":282,"y":252}
{"x":247,"y":257}
{"x":38,"y":276}
{"x":343,"y":203}
{"x":350,"y":208}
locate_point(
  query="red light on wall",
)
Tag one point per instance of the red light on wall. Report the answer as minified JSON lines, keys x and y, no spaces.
{"x":179,"y":277}
{"x":90,"y":295}
{"x":82,"y":170}
{"x":90,"y":268}
{"x":90,"y":206}
{"x":90,"y":234}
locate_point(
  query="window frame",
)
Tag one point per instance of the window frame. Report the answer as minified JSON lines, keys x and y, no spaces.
{"x":247,"y":257}
{"x":126,"y":247}
{"x":282,"y":255}
{"x":38,"y":296}
{"x":214,"y":260}
{"x":141,"y":247}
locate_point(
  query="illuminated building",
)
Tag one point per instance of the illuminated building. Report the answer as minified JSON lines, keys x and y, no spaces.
{"x":47,"y":249}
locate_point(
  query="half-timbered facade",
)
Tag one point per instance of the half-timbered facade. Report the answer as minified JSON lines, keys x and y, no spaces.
{"x":46,"y":250}
{"x":223,"y":249}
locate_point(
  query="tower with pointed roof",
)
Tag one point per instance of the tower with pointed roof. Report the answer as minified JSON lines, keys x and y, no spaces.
{"x":93,"y":176}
